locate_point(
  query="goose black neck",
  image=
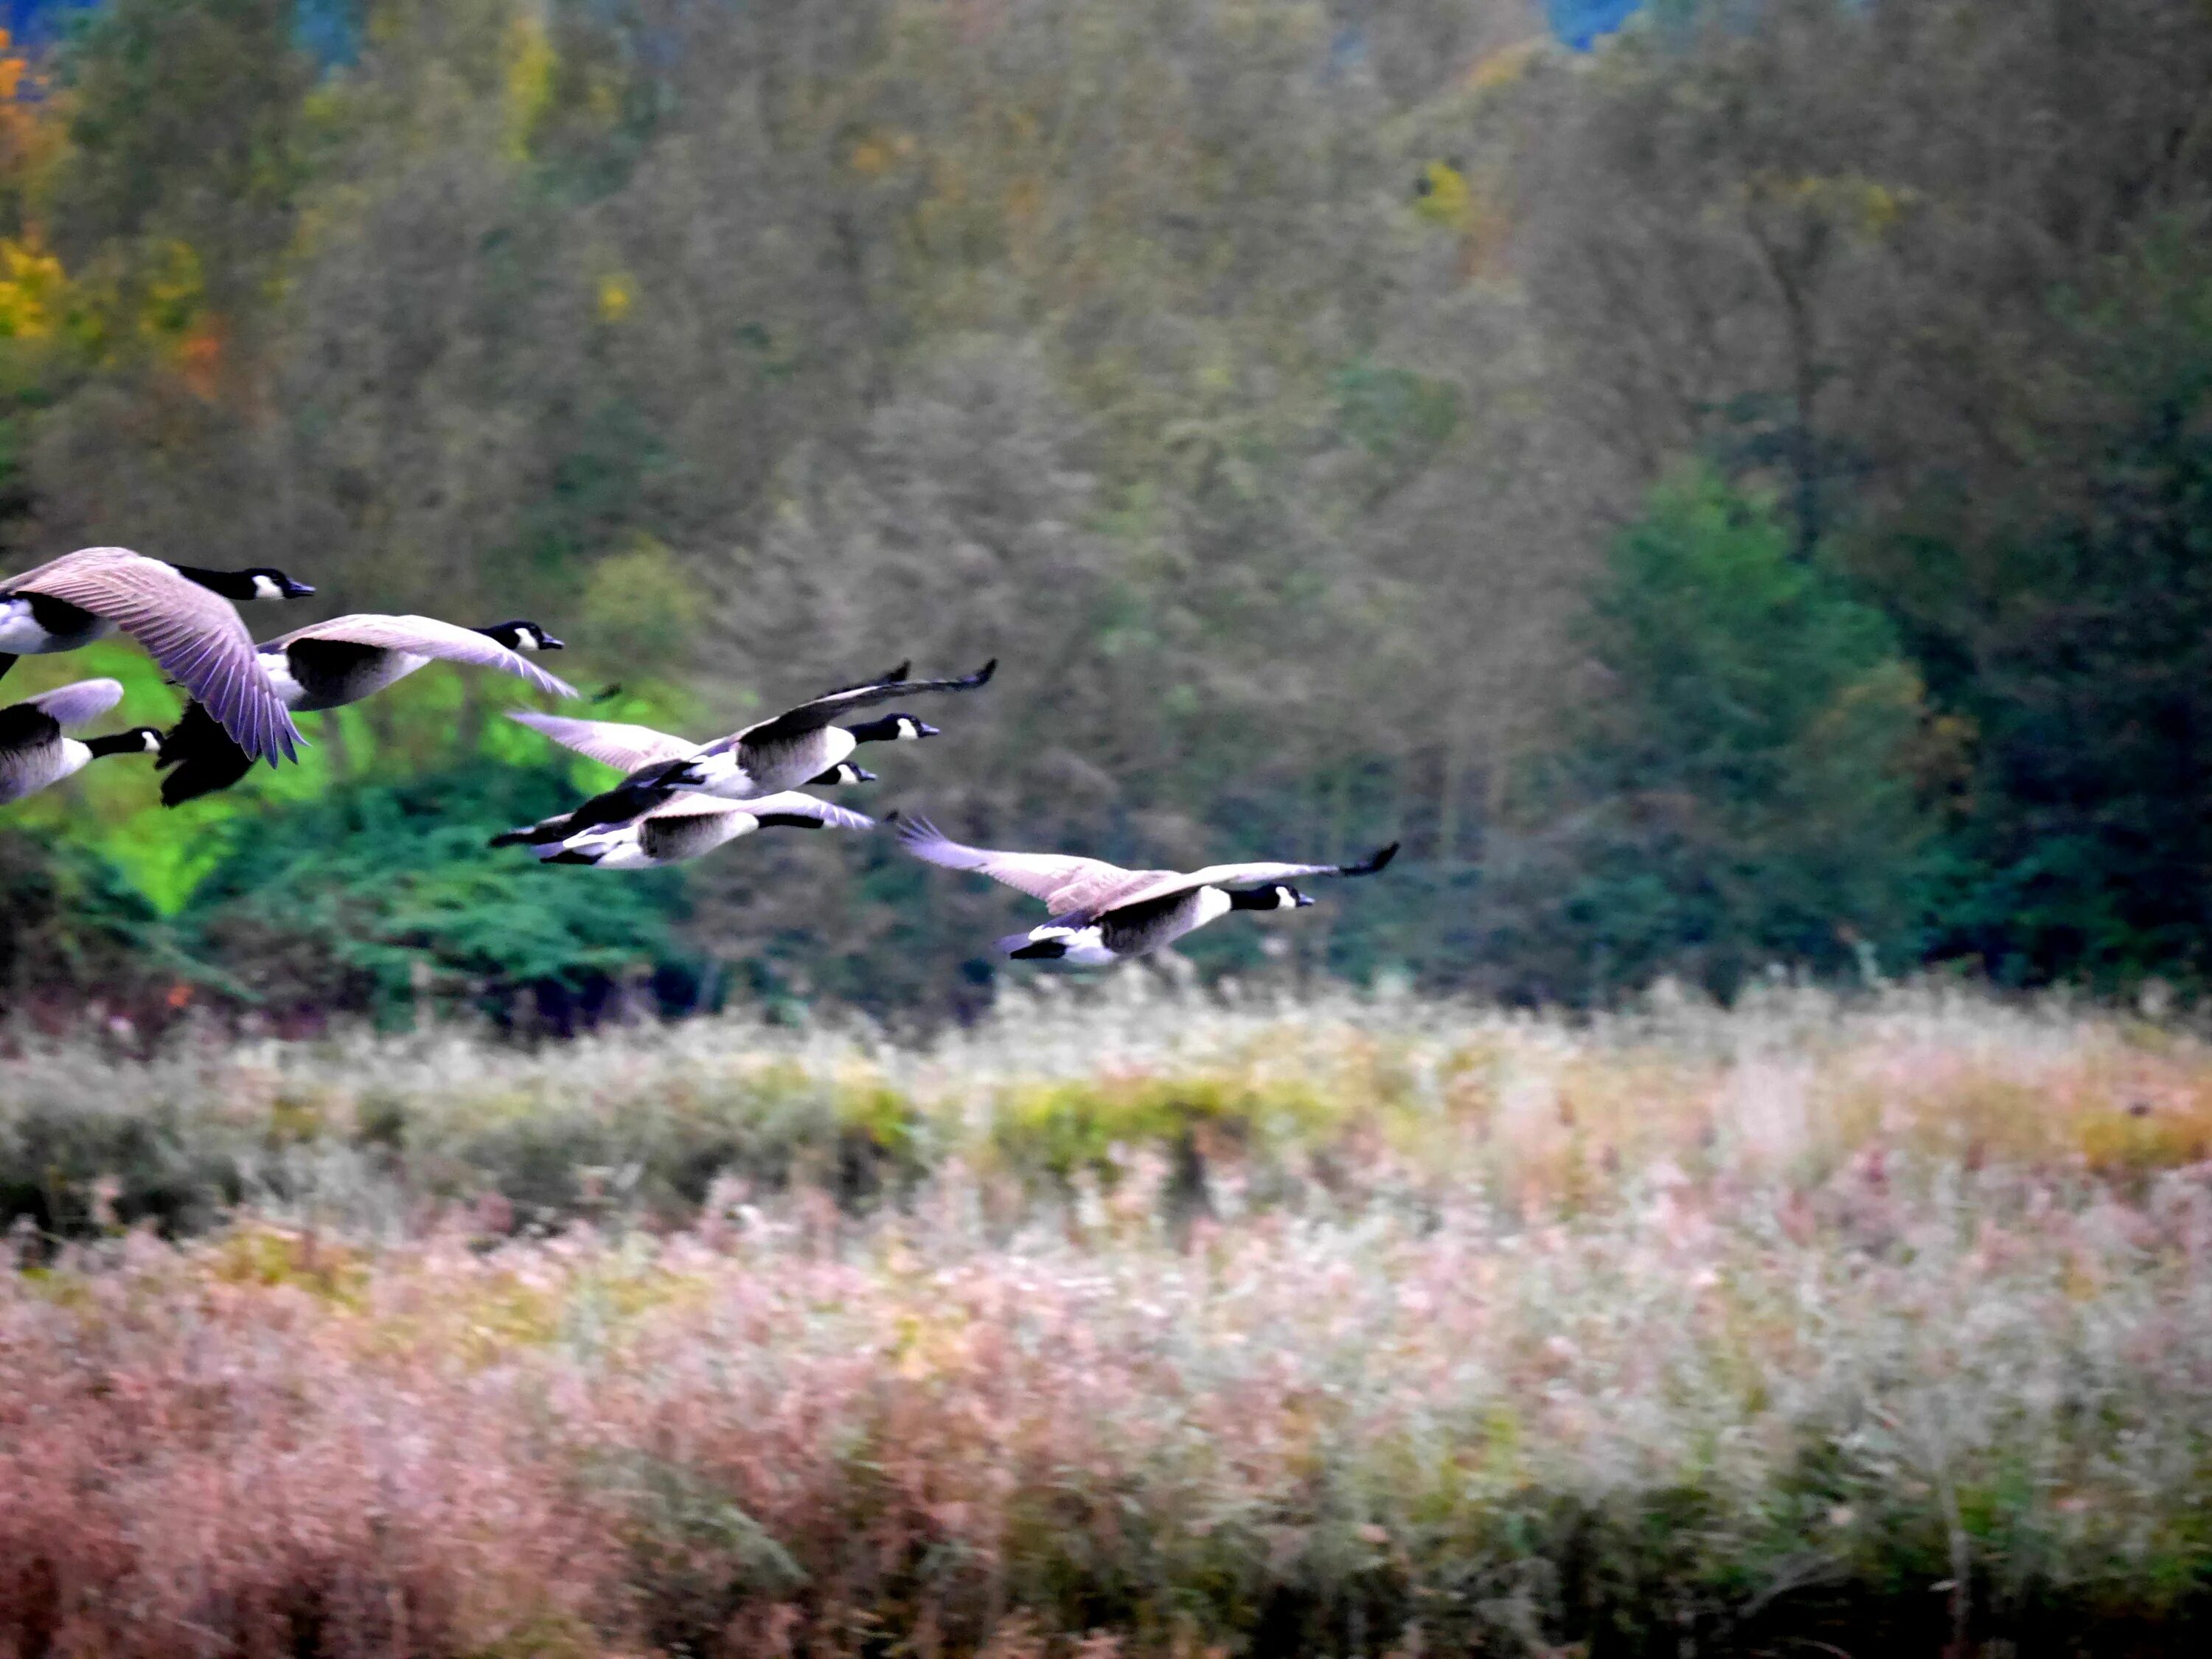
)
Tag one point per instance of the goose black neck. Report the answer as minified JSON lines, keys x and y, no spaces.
{"x":231,"y":584}
{"x":133,"y":742}
{"x":882,"y":730}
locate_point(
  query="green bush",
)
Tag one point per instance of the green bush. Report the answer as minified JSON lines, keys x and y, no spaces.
{"x":1738,"y":787}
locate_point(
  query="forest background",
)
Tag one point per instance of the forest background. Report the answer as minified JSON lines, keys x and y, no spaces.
{"x":1731,"y":493}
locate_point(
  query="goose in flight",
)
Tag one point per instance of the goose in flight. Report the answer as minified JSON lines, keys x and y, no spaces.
{"x":34,"y":754}
{"x":1102,"y":913}
{"x":684,"y":826}
{"x":632,"y":747}
{"x":328,"y":664}
{"x":181,"y":614}
{"x":801,"y":745}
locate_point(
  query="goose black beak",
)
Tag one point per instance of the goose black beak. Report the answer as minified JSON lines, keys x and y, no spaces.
{"x":296,"y":590}
{"x":547,"y":642}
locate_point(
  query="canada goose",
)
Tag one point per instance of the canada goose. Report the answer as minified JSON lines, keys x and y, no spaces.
{"x":330,"y":664}
{"x":1102,"y":913}
{"x":181,"y":614}
{"x":799,"y":747}
{"x":681,"y":827}
{"x":33,"y":753}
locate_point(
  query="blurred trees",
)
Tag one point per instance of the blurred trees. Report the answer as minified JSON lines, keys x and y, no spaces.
{"x":1747,"y":782}
{"x":1279,"y":389}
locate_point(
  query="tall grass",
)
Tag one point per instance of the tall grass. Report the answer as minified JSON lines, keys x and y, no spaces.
{"x":1120,"y":1324}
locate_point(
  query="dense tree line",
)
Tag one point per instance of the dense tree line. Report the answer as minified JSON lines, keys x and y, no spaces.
{"x":1736,"y":496}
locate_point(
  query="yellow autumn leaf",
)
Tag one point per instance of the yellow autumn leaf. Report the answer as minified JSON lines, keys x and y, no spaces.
{"x":616,"y":297}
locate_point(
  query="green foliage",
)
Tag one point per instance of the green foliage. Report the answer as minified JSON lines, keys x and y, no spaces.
{"x":1738,"y":789}
{"x":2078,"y":643}
{"x":641,"y":607}
{"x":378,"y":896}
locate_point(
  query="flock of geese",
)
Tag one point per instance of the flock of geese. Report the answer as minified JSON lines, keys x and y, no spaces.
{"x":677,"y":800}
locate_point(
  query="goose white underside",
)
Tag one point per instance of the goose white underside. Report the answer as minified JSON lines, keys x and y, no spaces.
{"x":278,"y":667}
{"x":26,"y":773}
{"x":1083,"y":946}
{"x":720,"y":775}
{"x":21,"y":635}
{"x":623,"y":847}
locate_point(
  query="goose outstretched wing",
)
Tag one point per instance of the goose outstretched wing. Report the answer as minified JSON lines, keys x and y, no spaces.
{"x":790,"y":803}
{"x":612,"y":743}
{"x":1059,"y":879}
{"x":75,"y":704}
{"x":814,"y":715}
{"x":194,"y":633}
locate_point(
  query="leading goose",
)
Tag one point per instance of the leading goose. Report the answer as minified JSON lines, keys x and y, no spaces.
{"x":681,"y":827}
{"x":180,"y":613}
{"x":800,"y":746}
{"x":33,"y":753}
{"x":328,"y":664}
{"x":1102,"y":913}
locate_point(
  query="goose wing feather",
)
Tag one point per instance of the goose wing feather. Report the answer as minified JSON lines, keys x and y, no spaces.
{"x":194,"y":633}
{"x":627,"y":748}
{"x":814,"y":715}
{"x":1059,"y":879}
{"x":791,"y":804}
{"x":75,"y":704}
{"x":426,"y":636}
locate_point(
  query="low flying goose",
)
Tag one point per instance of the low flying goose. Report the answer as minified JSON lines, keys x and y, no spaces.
{"x":800,"y":746}
{"x":33,"y":753}
{"x":330,"y":664}
{"x":1102,"y":913}
{"x":681,"y":827}
{"x":181,"y":614}
{"x":633,"y":748}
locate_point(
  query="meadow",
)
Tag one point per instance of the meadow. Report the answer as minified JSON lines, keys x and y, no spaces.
{"x":1127,"y":1322}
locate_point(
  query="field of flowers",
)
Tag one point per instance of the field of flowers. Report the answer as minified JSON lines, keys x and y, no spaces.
{"x":1122,"y":1324}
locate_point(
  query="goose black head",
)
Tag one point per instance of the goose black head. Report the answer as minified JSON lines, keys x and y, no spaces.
{"x":519,"y":635}
{"x":261,"y":582}
{"x":892,"y":728}
{"x":1278,"y":896}
{"x":843,"y":772}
